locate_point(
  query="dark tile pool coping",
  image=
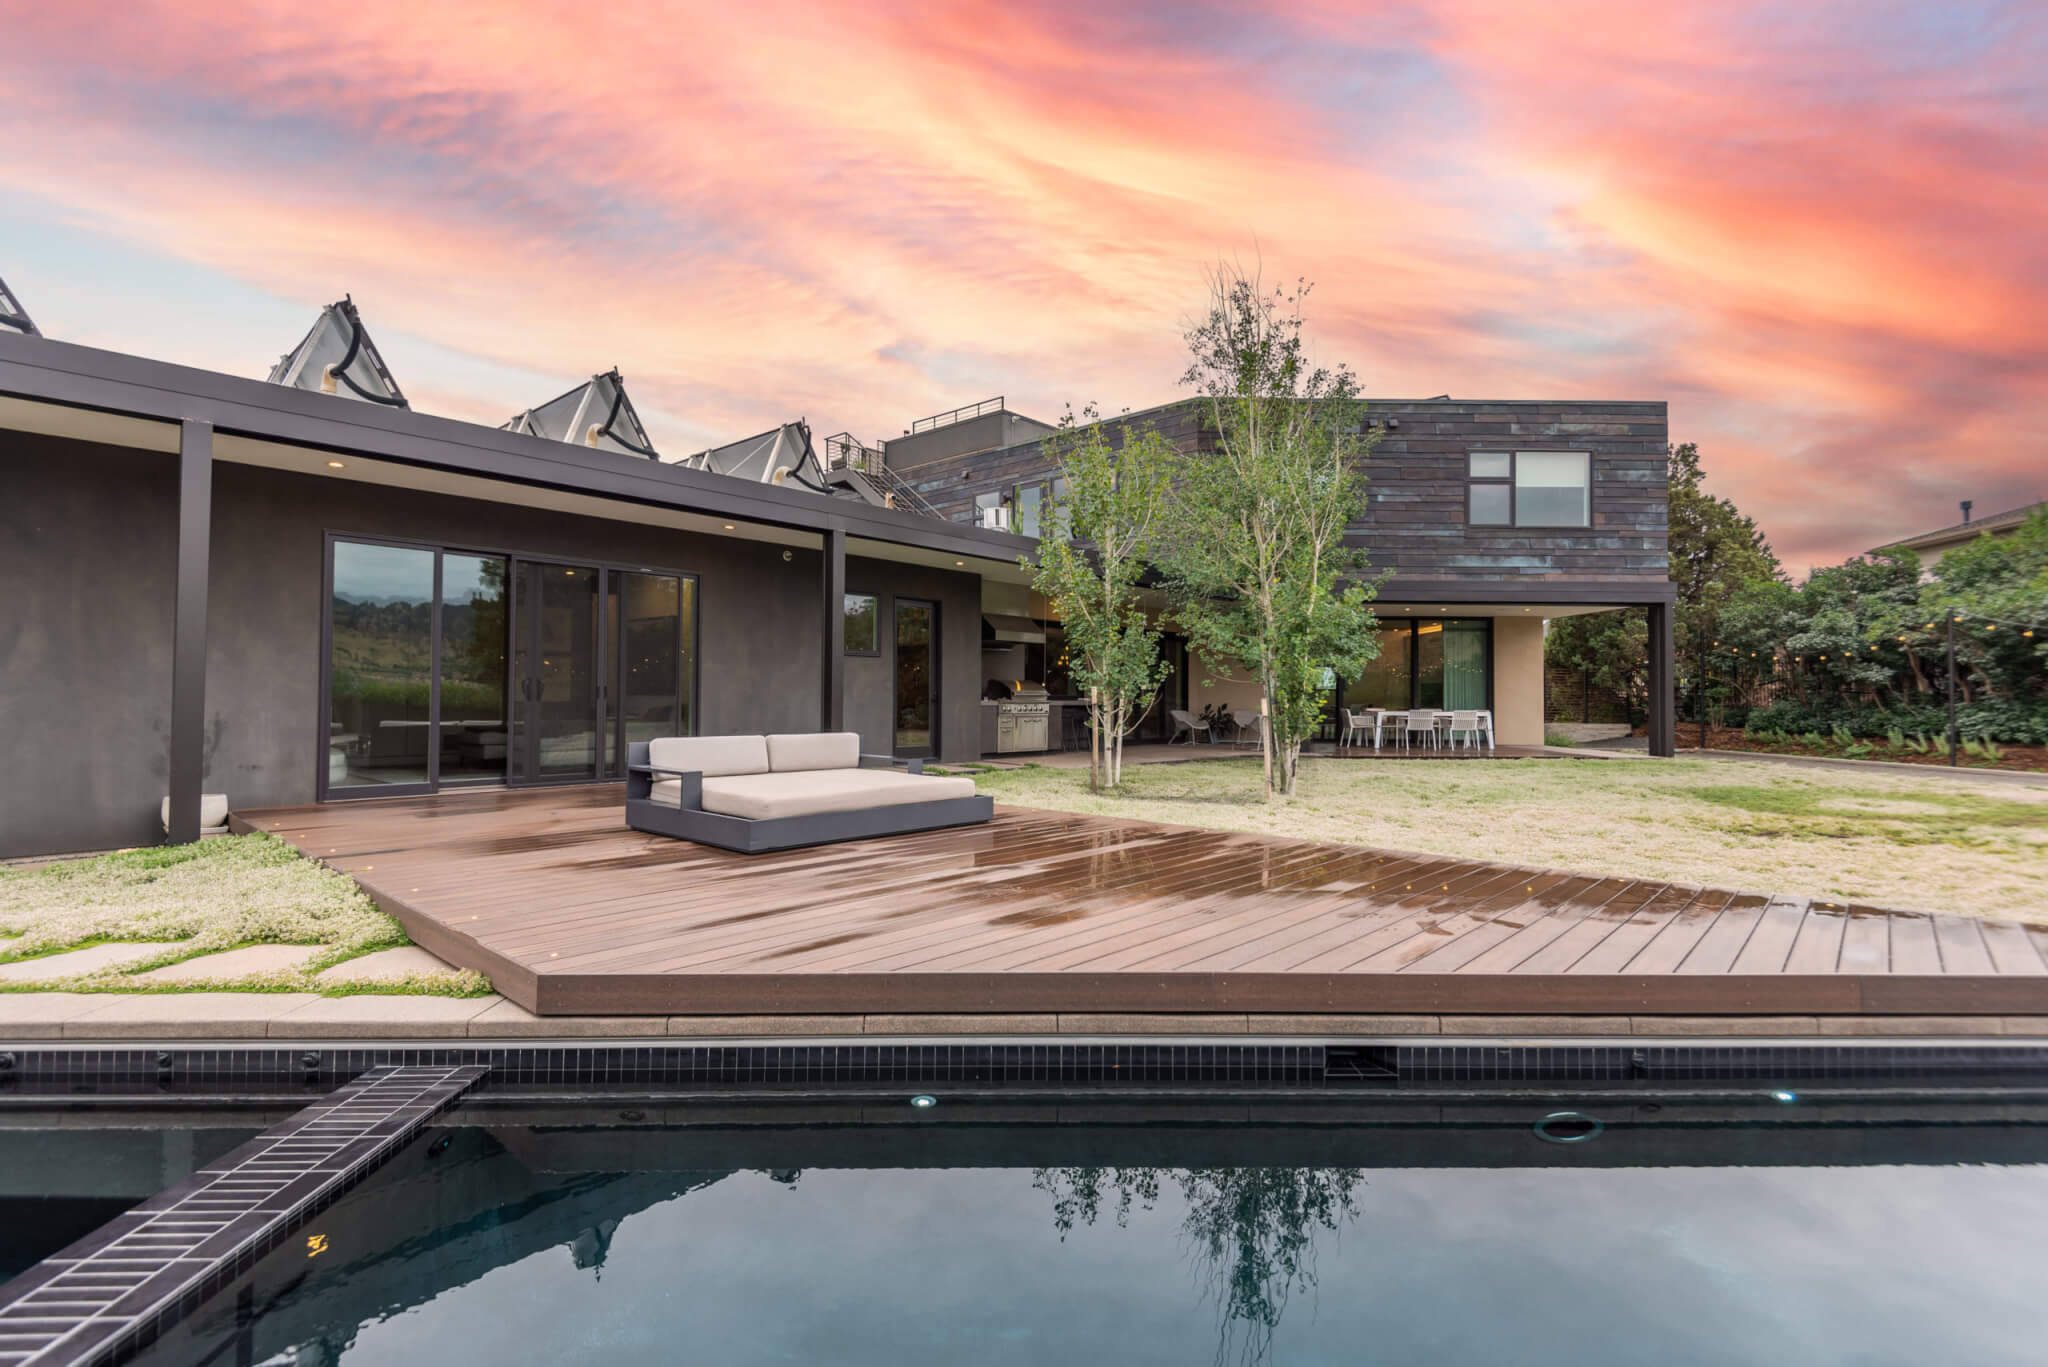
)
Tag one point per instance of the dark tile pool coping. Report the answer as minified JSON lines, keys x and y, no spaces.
{"x":79,"y":1071}
{"x":122,"y":1285}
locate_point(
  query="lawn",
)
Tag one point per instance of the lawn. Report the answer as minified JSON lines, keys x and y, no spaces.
{"x":224,"y":893}
{"x":1886,"y":839}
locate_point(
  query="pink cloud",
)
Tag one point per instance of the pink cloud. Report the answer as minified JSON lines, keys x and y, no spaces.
{"x":1817,"y":237}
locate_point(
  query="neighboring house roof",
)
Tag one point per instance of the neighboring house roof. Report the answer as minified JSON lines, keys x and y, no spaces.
{"x":1964,"y":531}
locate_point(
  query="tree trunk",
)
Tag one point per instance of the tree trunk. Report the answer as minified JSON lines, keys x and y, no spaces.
{"x":1094,"y":740}
{"x":1266,"y":737}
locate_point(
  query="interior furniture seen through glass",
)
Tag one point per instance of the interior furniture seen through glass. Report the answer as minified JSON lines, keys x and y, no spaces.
{"x":916,"y":677}
{"x":380,"y":665}
{"x":595,"y":658}
{"x":1427,"y":662}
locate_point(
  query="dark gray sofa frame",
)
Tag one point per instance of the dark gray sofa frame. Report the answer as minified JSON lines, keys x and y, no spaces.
{"x":690,"y":821}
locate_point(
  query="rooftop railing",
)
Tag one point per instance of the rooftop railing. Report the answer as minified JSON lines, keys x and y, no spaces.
{"x":951,"y":416}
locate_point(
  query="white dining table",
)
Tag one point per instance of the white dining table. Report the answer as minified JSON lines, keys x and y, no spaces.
{"x":1443,"y":715}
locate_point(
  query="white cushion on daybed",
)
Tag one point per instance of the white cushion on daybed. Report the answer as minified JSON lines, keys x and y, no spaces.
{"x":765,"y":797}
{"x":819,"y":750}
{"x":711,"y":756}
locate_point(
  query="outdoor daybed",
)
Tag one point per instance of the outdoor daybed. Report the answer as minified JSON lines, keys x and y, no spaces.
{"x":757,"y":793}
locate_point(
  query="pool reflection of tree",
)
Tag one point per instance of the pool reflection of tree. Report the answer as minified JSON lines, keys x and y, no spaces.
{"x":1252,"y":1230}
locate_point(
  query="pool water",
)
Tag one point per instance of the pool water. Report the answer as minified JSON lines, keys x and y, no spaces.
{"x":64,"y":1173}
{"x":997,"y":1235}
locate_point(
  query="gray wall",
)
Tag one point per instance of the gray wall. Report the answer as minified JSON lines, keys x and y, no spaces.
{"x":88,"y":560}
{"x":88,"y":554}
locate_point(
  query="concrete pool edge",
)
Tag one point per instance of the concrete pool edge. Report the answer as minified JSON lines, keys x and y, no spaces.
{"x":223,"y":1017}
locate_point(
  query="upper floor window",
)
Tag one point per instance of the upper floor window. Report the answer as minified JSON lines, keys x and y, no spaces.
{"x":1530,"y":489}
{"x":1030,"y":502}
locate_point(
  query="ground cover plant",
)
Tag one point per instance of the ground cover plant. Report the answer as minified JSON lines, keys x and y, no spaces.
{"x":191,"y":900}
{"x":1904,"y":841}
{"x":1895,"y":746}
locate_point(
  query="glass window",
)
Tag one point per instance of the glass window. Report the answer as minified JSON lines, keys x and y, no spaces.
{"x":1385,"y":681}
{"x":1491,"y":465}
{"x":474,"y":595}
{"x":989,"y":510}
{"x":380,"y":665}
{"x":1429,"y":664}
{"x":1490,"y":505}
{"x":1551,"y":489}
{"x":863,"y":618}
{"x":1030,"y":499}
{"x":1464,"y":650}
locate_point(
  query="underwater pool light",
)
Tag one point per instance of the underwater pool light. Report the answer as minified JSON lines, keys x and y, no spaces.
{"x":1785,"y":1096}
{"x":923,"y":1102}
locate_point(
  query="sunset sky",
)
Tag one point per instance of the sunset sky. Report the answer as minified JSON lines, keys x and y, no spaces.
{"x":1820,"y":230}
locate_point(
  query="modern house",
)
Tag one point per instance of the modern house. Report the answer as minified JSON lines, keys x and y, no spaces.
{"x":1494,"y":516}
{"x":300,"y":589}
{"x":1932,"y":546}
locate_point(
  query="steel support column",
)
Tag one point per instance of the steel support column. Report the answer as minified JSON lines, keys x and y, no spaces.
{"x":1663,"y":650}
{"x":188,"y":632}
{"x":832,"y":709}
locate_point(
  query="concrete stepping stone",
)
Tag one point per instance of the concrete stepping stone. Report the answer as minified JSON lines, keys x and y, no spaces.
{"x":90,"y":960}
{"x":383,"y":965}
{"x":246,"y":962}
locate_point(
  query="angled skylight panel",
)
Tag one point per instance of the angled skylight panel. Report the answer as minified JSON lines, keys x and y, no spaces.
{"x":782,"y":455}
{"x":595,"y":413}
{"x":13,"y":315}
{"x":338,"y":357}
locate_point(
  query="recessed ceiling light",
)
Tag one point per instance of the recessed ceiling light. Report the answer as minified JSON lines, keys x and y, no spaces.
{"x":728,"y":526}
{"x":334,"y":465}
{"x":960,"y":562}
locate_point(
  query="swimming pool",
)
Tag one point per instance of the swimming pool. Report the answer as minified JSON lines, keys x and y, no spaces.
{"x":1100,"y":1230}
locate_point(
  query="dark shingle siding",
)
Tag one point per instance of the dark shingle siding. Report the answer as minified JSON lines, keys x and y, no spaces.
{"x":1416,"y":519}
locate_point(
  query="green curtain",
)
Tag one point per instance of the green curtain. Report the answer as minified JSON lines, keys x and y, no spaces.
{"x":1465,"y":664}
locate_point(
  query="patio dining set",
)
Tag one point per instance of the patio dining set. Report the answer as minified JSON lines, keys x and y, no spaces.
{"x":1428,"y":728}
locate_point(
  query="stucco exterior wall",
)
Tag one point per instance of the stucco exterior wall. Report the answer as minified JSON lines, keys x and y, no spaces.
{"x":87,"y":545}
{"x":1518,"y":680}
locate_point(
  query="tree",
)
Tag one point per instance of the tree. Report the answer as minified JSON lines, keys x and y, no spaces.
{"x":1252,"y":1230}
{"x":1258,"y":568}
{"x":1998,"y":588}
{"x":1717,"y":553}
{"x":1102,"y":530}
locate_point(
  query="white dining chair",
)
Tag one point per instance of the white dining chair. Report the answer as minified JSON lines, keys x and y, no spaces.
{"x":1421,"y":724}
{"x":1486,"y":725}
{"x":1357,"y":722}
{"x":1464,"y":729}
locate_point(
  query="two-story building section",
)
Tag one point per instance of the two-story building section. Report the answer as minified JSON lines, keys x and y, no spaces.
{"x":1494,"y":516}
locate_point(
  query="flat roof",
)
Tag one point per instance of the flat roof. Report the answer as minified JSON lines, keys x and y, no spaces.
{"x":143,"y":394}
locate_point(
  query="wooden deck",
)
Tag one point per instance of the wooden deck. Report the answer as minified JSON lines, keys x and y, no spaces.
{"x":571,"y":913}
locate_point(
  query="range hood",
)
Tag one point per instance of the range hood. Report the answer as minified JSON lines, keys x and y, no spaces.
{"x":998,"y":629}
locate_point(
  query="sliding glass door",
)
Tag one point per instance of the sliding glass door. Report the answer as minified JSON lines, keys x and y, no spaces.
{"x":447,"y":667}
{"x":1438,"y":663}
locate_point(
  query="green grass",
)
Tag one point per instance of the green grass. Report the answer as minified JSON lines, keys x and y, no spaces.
{"x":1899,"y":840}
{"x":225,"y":893}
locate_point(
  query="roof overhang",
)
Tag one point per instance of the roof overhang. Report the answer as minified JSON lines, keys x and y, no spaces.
{"x":61,"y":389}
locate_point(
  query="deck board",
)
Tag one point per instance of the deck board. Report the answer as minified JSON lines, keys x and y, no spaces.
{"x":570,"y":912}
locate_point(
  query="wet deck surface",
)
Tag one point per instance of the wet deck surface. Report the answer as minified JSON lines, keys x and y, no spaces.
{"x":569,"y":912}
